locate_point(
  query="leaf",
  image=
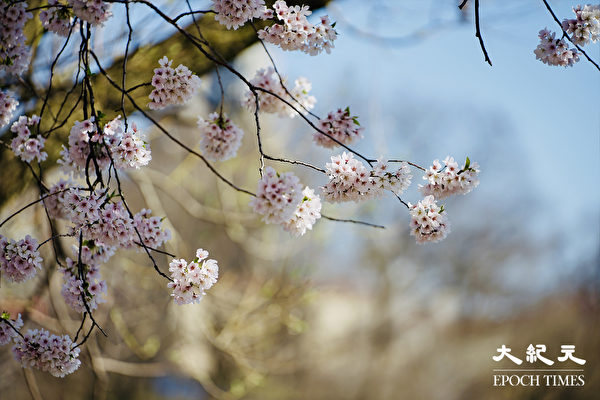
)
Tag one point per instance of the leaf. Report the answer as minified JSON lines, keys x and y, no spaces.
{"x":5,"y":315}
{"x":467,"y":164}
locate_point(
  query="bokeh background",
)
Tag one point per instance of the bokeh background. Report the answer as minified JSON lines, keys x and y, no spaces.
{"x":348,"y":311}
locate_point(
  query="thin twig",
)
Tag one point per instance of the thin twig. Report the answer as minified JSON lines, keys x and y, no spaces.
{"x":478,"y":34}
{"x":353,"y":222}
{"x":31,"y":204}
{"x":296,"y":162}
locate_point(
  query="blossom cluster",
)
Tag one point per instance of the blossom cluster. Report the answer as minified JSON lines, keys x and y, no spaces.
{"x":127,"y":148}
{"x":19,"y":261}
{"x":104,"y":222}
{"x":341,"y":126}
{"x":269,"y":80}
{"x":14,"y":54}
{"x":108,"y":223}
{"x":47,"y":352}
{"x":308,"y":211}
{"x":83,"y":138}
{"x":277,"y":196}
{"x":235,"y":13}
{"x":54,"y":202}
{"x":349,"y":180}
{"x":105,"y":226}
{"x":395,"y":181}
{"x":93,"y":253}
{"x":57,"y":19}
{"x":221,"y":138}
{"x":8,"y":105}
{"x":554,"y":51}
{"x":150,"y":229}
{"x":295,"y":31}
{"x":96,"y":12}
{"x":172,"y":86}
{"x":90,"y":288}
{"x":448,"y":179}
{"x":113,"y":227}
{"x":7,"y":333}
{"x":429,"y":222}
{"x":280,"y":199}
{"x":80,"y":207}
{"x":191,"y":281}
{"x":131,"y":151}
{"x":23,"y":145}
{"x":585,"y":27}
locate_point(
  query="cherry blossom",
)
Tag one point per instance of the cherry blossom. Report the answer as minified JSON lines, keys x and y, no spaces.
{"x":191,"y":281}
{"x":106,"y":224}
{"x":113,"y":227}
{"x":96,"y":12}
{"x":585,"y":27}
{"x":83,"y":138}
{"x":14,"y":54}
{"x":8,"y":105}
{"x":73,"y":287}
{"x":268,"y":79}
{"x":553,"y":51}
{"x":47,"y":352}
{"x":24,"y":146}
{"x":93,"y":253}
{"x":172,"y":86}
{"x":82,"y":208}
{"x":221,"y":138}
{"x":7,"y":333}
{"x":127,"y":149}
{"x":150,"y":229}
{"x":235,"y":13}
{"x":57,"y":19}
{"x":308,"y":211}
{"x":296,"y":33}
{"x":446,"y":178}
{"x":55,"y":202}
{"x":386,"y":179}
{"x":429,"y":222}
{"x":277,"y":196}
{"x":341,"y":126}
{"x":131,"y":151}
{"x":19,"y":261}
{"x":349,"y":180}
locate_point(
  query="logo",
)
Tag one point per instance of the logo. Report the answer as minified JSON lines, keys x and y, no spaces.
{"x":538,"y":369}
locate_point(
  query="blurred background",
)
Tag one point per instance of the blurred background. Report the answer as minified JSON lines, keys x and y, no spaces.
{"x":347,"y":311}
